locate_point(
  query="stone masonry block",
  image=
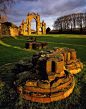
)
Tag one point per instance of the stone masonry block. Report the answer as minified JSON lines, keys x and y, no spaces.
{"x":48,"y":66}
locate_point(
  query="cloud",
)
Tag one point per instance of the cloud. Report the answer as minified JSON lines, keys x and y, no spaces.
{"x":71,"y":5}
{"x":29,"y":0}
{"x":63,"y":6}
{"x":49,"y":10}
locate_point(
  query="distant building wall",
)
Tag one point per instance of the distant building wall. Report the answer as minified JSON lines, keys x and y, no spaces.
{"x":84,"y":30}
{"x":0,"y":26}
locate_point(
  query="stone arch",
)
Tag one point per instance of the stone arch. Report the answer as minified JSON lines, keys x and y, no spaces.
{"x":38,"y":24}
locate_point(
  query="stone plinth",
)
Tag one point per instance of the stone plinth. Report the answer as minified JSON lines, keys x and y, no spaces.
{"x":35,"y":45}
{"x":49,"y":76}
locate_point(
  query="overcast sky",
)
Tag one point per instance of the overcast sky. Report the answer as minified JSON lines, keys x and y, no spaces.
{"x":49,"y":10}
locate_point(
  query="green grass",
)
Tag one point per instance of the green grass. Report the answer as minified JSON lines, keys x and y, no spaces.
{"x":12,"y":50}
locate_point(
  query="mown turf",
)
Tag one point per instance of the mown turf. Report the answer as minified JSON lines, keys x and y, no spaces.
{"x":12,"y":50}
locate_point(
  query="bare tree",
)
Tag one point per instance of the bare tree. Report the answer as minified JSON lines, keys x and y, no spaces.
{"x":4,"y":4}
{"x":71,"y":21}
{"x":3,"y":9}
{"x":3,"y":19}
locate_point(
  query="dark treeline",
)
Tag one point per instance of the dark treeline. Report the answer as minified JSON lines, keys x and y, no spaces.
{"x":70,"y":23}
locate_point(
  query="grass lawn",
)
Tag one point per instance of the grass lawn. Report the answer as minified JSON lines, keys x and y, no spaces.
{"x":12,"y":50}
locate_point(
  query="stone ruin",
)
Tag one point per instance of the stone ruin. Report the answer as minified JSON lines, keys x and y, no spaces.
{"x":48,"y":76}
{"x":27,"y":24}
{"x":32,"y":38}
{"x":33,"y":44}
{"x":6,"y":29}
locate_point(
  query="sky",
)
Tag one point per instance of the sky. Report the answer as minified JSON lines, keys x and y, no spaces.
{"x":49,"y":10}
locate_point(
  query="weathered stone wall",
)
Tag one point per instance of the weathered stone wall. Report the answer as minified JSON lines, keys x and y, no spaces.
{"x":14,"y":31}
{"x":8,"y":31}
{"x":0,"y":29}
{"x":4,"y":30}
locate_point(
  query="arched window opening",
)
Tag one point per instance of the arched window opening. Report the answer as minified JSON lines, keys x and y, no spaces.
{"x":26,"y":30}
{"x":33,"y":26}
{"x":40,"y":30}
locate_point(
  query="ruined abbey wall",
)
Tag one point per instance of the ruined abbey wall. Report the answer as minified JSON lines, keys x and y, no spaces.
{"x":27,"y":25}
{"x":4,"y":30}
{"x":14,"y":31}
{"x":8,"y":31}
